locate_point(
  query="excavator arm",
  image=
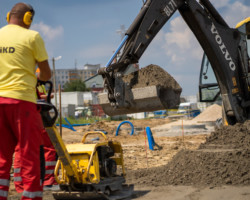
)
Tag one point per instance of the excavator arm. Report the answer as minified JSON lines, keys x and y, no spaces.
{"x":224,"y":47}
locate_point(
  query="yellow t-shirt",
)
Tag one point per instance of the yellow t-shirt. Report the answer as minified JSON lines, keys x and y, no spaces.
{"x":20,"y":49}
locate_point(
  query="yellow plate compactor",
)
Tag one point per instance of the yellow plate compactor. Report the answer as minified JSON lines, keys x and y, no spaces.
{"x":86,"y":171}
{"x":90,"y":170}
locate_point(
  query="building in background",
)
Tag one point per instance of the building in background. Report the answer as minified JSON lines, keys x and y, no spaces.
{"x":66,"y":75}
{"x":89,"y":71}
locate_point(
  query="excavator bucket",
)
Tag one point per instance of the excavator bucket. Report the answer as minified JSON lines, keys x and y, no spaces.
{"x":151,"y":88}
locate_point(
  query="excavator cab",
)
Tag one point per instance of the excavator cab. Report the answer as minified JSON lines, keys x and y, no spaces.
{"x":209,"y":90}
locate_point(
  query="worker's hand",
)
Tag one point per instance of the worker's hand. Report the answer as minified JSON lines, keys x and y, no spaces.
{"x":44,"y":96}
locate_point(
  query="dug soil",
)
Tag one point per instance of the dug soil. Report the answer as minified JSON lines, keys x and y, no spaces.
{"x":224,"y":159}
{"x":153,"y":75}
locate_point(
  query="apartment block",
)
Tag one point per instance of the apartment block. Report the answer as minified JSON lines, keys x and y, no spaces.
{"x":63,"y":76}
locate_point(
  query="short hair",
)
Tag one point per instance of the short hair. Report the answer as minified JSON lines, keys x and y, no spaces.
{"x":19,"y":9}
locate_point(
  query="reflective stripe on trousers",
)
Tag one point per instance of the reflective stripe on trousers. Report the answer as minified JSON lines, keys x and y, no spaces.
{"x":3,"y":193}
{"x":4,"y":182}
{"x":32,"y":194}
{"x":50,"y":163}
{"x":51,"y":171}
{"x":17,"y":170}
{"x":18,"y":179}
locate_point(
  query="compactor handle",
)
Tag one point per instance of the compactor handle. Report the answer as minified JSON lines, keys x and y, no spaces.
{"x":94,"y":132}
{"x":39,"y":82}
{"x":47,"y":106}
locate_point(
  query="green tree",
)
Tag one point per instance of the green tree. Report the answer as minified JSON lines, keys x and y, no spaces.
{"x":75,"y":85}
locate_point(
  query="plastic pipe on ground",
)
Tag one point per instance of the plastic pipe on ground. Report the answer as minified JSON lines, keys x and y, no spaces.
{"x":151,"y":141}
{"x":118,"y":128}
{"x":70,"y":126}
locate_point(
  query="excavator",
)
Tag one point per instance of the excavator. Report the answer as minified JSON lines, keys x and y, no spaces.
{"x":225,"y":48}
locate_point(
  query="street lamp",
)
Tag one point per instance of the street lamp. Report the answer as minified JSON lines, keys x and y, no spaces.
{"x":54,"y":76}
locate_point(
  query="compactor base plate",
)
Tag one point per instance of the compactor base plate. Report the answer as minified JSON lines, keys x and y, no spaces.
{"x":126,"y":192}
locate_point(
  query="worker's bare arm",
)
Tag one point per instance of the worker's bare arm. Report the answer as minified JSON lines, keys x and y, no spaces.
{"x":45,"y":72}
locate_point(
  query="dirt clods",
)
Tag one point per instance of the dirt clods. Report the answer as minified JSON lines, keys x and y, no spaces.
{"x":224,"y":159}
{"x":169,"y":90}
{"x":152,"y":75}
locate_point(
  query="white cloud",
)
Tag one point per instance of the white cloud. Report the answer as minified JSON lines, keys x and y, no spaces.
{"x":48,"y":32}
{"x":220,"y":3}
{"x":179,"y":34}
{"x":180,"y":43}
{"x":97,"y":52}
{"x":236,"y":12}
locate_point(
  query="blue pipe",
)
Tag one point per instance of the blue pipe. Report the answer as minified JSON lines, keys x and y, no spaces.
{"x":117,"y":51}
{"x":69,"y":124}
{"x":118,"y":128}
{"x":151,"y":141}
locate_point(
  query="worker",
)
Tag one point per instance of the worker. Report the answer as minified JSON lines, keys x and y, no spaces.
{"x":49,"y":158}
{"x":20,"y":121}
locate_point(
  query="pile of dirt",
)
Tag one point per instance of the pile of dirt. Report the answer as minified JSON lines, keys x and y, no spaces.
{"x":231,"y":137}
{"x":154,"y":75}
{"x":224,"y":159}
{"x":101,"y":126}
{"x":211,"y":114}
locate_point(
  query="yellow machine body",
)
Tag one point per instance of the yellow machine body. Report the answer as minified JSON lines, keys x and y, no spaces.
{"x":85,"y":159}
{"x":79,"y":163}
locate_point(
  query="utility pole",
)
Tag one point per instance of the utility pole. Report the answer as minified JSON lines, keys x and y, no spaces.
{"x":54,"y":76}
{"x":54,"y":80}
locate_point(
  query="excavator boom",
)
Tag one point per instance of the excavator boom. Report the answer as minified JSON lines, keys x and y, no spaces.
{"x":223,"y":46}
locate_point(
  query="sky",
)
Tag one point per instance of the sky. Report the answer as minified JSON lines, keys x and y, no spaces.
{"x":87,"y":32}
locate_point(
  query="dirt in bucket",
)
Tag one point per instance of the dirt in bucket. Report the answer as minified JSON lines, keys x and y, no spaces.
{"x":154,"y":75}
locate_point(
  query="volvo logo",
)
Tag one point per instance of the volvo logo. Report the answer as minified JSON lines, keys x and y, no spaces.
{"x":223,"y":48}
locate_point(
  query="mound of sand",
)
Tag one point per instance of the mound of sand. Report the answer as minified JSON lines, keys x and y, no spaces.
{"x":210,"y":114}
